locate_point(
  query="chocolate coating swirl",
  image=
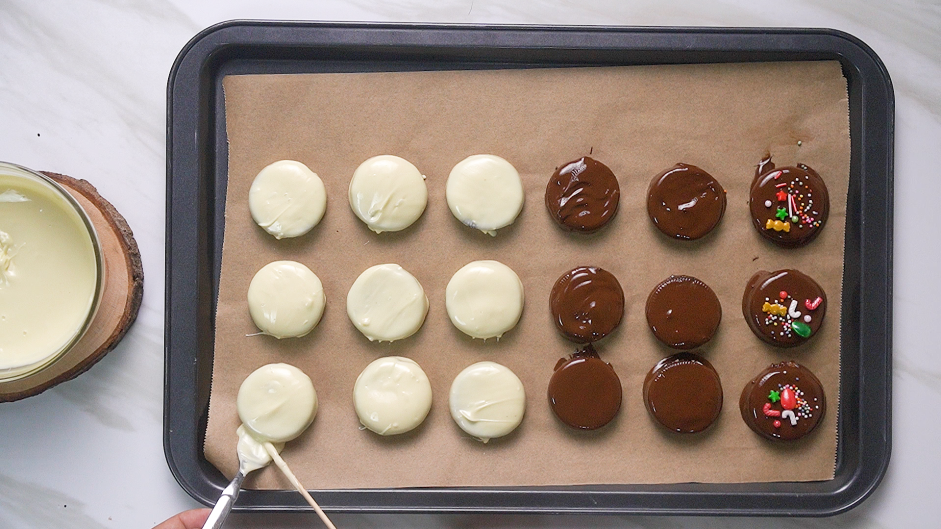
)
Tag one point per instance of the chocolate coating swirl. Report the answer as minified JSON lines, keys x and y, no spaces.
{"x":584,"y":391}
{"x":785,"y":401}
{"x":683,"y":393}
{"x":685,"y":202}
{"x":683,"y":312}
{"x":587,"y":303}
{"x":583,"y":195}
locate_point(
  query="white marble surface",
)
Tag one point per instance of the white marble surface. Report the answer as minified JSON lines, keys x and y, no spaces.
{"x":82,"y":91}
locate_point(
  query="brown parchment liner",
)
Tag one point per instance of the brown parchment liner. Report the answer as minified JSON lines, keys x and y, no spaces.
{"x":637,"y":120}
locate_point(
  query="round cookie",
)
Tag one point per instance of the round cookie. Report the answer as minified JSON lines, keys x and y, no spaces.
{"x":583,"y":195}
{"x":683,"y":312}
{"x":277,"y":402}
{"x":785,"y":401}
{"x":784,"y":308}
{"x":386,"y":303}
{"x":286,"y":299}
{"x":683,"y":393}
{"x":789,"y":206}
{"x":484,"y":299}
{"x":388,"y":193}
{"x":584,"y":391}
{"x":392,"y":395}
{"x":287,"y":199}
{"x":685,"y":202}
{"x":487,"y":400}
{"x":587,"y":304}
{"x":485,"y":192}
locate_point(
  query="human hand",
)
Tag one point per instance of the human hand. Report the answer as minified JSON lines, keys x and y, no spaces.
{"x":193,"y":519}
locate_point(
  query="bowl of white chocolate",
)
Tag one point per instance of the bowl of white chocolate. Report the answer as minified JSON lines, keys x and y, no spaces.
{"x":51,"y":272}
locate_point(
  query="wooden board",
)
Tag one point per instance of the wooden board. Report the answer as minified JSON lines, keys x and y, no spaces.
{"x":120,"y":301}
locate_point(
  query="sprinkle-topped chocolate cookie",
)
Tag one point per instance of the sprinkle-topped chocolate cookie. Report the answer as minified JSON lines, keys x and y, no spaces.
{"x":784,"y":308}
{"x":583,"y":195}
{"x":683,"y":312}
{"x":683,"y":393}
{"x":587,"y":304}
{"x":785,"y":401}
{"x":789,"y":205}
{"x":685,"y":202}
{"x":584,"y":391}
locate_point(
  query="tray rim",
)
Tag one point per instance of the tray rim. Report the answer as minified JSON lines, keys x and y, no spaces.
{"x":188,"y":102}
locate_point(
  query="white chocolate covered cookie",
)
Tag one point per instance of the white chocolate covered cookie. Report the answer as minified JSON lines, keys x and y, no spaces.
{"x":287,"y":199}
{"x":485,"y":192}
{"x":277,"y":402}
{"x":286,"y":299}
{"x":487,"y":400}
{"x":484,"y":299}
{"x":392,"y":395}
{"x":388,"y":193}
{"x":386,"y":303}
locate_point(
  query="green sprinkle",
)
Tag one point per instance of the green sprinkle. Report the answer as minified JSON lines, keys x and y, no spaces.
{"x":801,"y":328}
{"x":774,"y":396}
{"x":781,"y":214}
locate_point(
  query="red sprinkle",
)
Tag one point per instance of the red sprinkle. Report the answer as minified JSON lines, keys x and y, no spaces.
{"x":783,"y":294}
{"x":812,"y":305}
{"x":776,"y":423}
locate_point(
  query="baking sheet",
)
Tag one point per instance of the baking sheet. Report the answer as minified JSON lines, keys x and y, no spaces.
{"x":638,"y":120}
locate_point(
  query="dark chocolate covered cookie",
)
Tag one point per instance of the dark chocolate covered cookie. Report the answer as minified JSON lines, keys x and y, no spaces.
{"x":789,"y":205}
{"x":685,"y":202}
{"x":784,"y":308}
{"x":785,"y":401}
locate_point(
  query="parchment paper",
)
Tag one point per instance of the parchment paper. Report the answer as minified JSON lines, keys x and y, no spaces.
{"x":637,"y":120}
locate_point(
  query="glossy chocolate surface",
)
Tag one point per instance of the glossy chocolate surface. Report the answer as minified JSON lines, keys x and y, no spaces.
{"x":785,"y":401}
{"x":683,"y":393}
{"x":584,"y":391}
{"x":784,"y":308}
{"x":789,"y":206}
{"x":685,"y":202}
{"x":587,"y":304}
{"x":583,"y":195}
{"x":683,"y":312}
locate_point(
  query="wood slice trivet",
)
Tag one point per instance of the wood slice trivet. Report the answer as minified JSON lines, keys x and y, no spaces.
{"x":120,"y":300}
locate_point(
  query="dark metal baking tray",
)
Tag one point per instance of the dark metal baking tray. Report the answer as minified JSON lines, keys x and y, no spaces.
{"x":196,"y":183}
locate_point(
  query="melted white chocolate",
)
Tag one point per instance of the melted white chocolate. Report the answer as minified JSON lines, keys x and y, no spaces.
{"x":388,"y":193}
{"x":487,"y":400}
{"x":252,"y":452}
{"x":484,"y":299}
{"x":392,"y":395}
{"x":276,"y":403}
{"x":485,"y":192}
{"x":287,"y":199}
{"x":48,"y":273}
{"x":286,"y":299}
{"x":386,"y":303}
